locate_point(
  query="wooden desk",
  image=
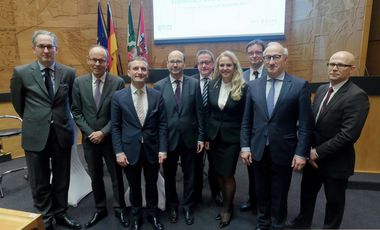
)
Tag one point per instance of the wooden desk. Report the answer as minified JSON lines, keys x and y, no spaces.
{"x":17,"y":220}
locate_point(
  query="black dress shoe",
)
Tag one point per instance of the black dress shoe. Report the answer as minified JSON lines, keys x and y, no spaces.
{"x":218,"y":217}
{"x":123,"y":218}
{"x":136,"y":225}
{"x":218,"y":199}
{"x":155,"y":222}
{"x":98,"y":215}
{"x":67,"y":221}
{"x":246,"y":206}
{"x":173,"y":215}
{"x":189,"y":218}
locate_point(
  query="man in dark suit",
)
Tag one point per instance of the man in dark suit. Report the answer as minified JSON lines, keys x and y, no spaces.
{"x":184,"y":108}
{"x":91,"y":109}
{"x":41,"y":95}
{"x":254,"y":50}
{"x":139,"y":135}
{"x":205,"y":64}
{"x":340,"y":111}
{"x":276,"y":134}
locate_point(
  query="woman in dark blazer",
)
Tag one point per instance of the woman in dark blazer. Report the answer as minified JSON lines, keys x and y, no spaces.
{"x":226,"y":102}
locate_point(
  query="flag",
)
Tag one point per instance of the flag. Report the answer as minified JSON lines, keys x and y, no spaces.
{"x":112,"y":43}
{"x":142,"y":49}
{"x":102,"y":32}
{"x":132,"y":52}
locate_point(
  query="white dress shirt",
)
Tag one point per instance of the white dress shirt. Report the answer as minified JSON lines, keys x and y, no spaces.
{"x":102,"y":80}
{"x":225,"y":89}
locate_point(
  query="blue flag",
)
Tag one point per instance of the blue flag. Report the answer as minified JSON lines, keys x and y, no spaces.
{"x":102,"y":32}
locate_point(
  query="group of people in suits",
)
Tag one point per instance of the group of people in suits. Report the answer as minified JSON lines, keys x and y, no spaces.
{"x":264,"y":116}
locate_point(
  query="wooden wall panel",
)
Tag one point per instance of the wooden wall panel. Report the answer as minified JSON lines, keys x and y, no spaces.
{"x":368,"y":146}
{"x":314,"y":30}
{"x":373,"y":66}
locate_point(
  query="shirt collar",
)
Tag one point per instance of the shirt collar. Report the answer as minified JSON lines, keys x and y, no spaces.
{"x":42,"y":67}
{"x":172,"y":79}
{"x":260,"y":70}
{"x":202,"y":77}
{"x":279,"y":78}
{"x":102,"y":78}
{"x":339,"y":85}
{"x":134,"y":89}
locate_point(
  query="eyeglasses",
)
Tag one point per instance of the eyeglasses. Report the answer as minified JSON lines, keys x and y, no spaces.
{"x":275,"y":57}
{"x":175,"y":62}
{"x":204,"y":63}
{"x":257,"y":53}
{"x":42,"y":46}
{"x":338,"y":65}
{"x":95,"y":60}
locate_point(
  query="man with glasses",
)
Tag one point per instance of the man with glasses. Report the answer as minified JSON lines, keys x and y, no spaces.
{"x":91,"y":109}
{"x":275,"y":134}
{"x":340,"y":110}
{"x":254,"y":50}
{"x":184,"y":108}
{"x":205,"y":64}
{"x":41,"y":95}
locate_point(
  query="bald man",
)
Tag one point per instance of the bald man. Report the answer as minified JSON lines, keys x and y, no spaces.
{"x":184,"y":108}
{"x":340,"y":110}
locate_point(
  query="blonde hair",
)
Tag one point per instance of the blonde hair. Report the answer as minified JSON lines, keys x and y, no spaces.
{"x":237,"y":77}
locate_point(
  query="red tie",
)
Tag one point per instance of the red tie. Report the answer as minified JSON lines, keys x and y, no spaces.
{"x":329,"y":92}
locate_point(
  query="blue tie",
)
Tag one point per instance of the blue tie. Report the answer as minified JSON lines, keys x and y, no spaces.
{"x":270,"y":98}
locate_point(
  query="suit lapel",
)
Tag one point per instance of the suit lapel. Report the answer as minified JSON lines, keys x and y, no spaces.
{"x":130,"y":104}
{"x":185,"y":93}
{"x":36,"y":73}
{"x":168,"y":93}
{"x":105,"y":91}
{"x":150,"y":103}
{"x":335,"y":99}
{"x":58,"y":75}
{"x":262,"y":99}
{"x":286,"y":86}
{"x":318,"y":99}
{"x":89,"y":90}
{"x":214,"y":91}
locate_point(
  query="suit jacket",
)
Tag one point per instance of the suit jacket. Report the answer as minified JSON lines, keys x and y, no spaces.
{"x":31,"y":101}
{"x":246,"y":74}
{"x":127,"y":131}
{"x":228,"y":120}
{"x":289,"y":129}
{"x":188,"y":122}
{"x":86,"y":115}
{"x":338,"y":127}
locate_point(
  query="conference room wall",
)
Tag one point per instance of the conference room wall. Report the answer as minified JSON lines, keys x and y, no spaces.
{"x":314,"y":30}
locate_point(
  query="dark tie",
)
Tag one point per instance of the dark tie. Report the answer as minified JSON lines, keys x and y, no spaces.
{"x":97,"y":94}
{"x":326,"y":101}
{"x":48,"y":82}
{"x":270,"y":98}
{"x":256,"y":73}
{"x":177,"y":94}
{"x":205,"y":91}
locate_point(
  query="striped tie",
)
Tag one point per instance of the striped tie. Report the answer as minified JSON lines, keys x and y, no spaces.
{"x":140,"y":106}
{"x":205,"y":91}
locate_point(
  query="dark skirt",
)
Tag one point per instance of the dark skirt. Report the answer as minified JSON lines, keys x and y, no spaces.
{"x":224,"y":156}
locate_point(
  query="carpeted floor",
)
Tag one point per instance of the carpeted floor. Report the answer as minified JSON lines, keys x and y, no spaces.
{"x":362,"y":206}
